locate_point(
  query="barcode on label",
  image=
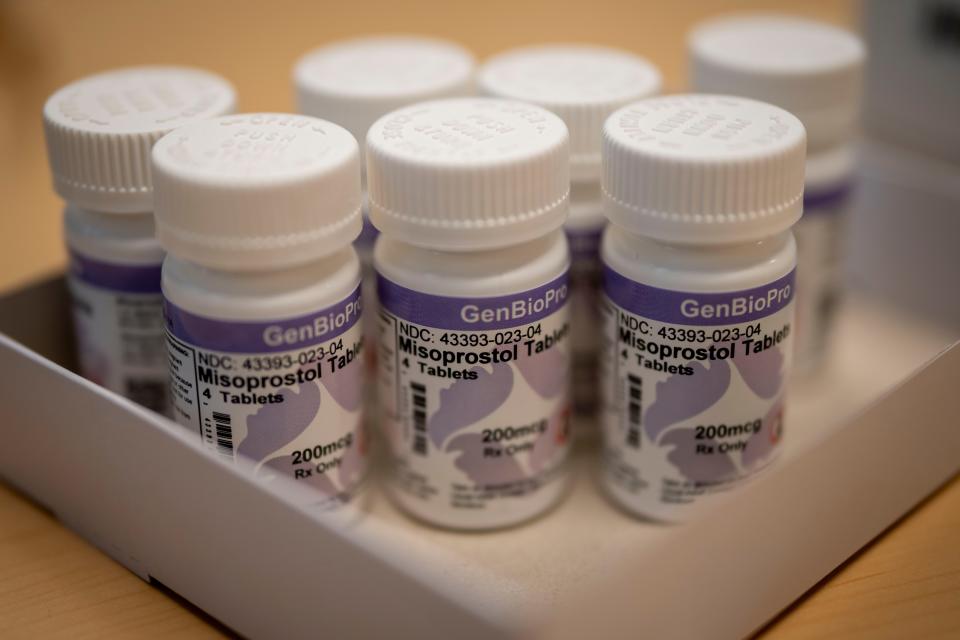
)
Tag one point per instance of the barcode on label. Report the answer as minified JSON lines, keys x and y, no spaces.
{"x":418,"y":394}
{"x":634,"y":410}
{"x":224,"y":435}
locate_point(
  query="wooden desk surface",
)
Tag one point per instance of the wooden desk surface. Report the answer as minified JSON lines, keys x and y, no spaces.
{"x":54,"y":585}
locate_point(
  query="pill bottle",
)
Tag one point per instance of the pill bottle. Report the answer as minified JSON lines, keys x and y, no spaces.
{"x":814,"y":71}
{"x":470,"y":196}
{"x":583,"y":85}
{"x":355,"y":82}
{"x":261,"y":290}
{"x":99,"y":132}
{"x":699,"y":262}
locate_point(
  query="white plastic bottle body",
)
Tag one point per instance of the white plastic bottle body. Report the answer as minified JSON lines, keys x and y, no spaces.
{"x":266,"y":367}
{"x":698,"y":350}
{"x":820,"y":240}
{"x":114,"y":281}
{"x":99,"y":132}
{"x":364,"y":247}
{"x":814,"y":71}
{"x":584,"y":230}
{"x":474,"y":365}
{"x":356,"y":81}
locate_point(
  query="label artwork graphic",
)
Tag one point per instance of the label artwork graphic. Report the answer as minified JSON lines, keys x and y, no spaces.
{"x":118,"y":323}
{"x":474,"y":394}
{"x":282,"y":397}
{"x":694,"y":386}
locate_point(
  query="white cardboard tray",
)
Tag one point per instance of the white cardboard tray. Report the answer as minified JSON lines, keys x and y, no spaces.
{"x":867,"y":438}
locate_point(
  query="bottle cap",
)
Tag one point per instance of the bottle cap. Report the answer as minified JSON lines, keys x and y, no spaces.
{"x":811,"y":69}
{"x":468,"y":173}
{"x":703,"y":169}
{"x":100,"y":130}
{"x":256,"y":191}
{"x":354,"y":82}
{"x":581,"y":84}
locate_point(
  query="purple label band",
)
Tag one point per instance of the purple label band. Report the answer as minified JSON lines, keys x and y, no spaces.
{"x":826,"y":201}
{"x":125,"y":278}
{"x":584,"y":244}
{"x":700,"y":309}
{"x":473,"y":314}
{"x":368,"y":235}
{"x":234,"y":336}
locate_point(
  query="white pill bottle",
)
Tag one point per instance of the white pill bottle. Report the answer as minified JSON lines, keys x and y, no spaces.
{"x":813,"y":70}
{"x":99,"y":132}
{"x":699,"y":264}
{"x":261,"y":290}
{"x":470,"y":196}
{"x":582,"y":84}
{"x":353,"y":83}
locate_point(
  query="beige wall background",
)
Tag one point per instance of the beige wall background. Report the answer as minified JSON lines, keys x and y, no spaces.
{"x":47,"y":43}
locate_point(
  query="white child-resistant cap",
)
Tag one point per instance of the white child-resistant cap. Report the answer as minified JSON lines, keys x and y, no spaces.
{"x":811,"y":69}
{"x":703,"y":169}
{"x":256,"y":191}
{"x":580,"y":83}
{"x":468,"y":173}
{"x":100,"y":130}
{"x":354,"y":82}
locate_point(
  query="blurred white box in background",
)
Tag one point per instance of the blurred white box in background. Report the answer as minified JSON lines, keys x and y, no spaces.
{"x":904,"y":234}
